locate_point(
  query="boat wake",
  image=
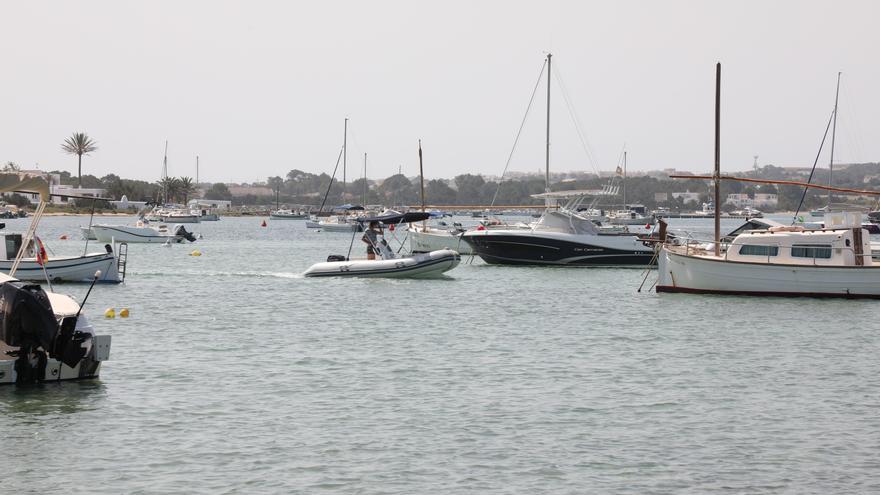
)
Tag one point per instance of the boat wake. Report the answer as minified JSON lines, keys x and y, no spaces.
{"x":246,"y":274}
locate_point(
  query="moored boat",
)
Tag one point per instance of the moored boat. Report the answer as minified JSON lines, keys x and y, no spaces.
{"x":142,"y":233}
{"x":59,"y":268}
{"x":286,"y":214}
{"x":58,"y":344}
{"x":427,"y":238}
{"x":779,"y":261}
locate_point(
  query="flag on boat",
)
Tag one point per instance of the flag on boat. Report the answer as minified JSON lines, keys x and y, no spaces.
{"x":40,"y":251}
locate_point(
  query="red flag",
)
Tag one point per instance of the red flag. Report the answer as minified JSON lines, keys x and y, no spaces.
{"x":40,"y":251}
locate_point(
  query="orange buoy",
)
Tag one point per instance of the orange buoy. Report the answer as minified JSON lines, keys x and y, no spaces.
{"x":263,"y":224}
{"x":63,"y":237}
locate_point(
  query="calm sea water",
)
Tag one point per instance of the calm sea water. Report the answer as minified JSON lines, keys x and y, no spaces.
{"x":236,"y":375}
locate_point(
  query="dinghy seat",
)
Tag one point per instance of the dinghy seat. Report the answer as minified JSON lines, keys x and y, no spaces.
{"x":336,"y":257}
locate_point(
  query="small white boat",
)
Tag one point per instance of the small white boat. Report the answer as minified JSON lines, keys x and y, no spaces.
{"x":285,"y":214}
{"x":420,"y":265}
{"x":180,"y":216}
{"x":630,"y":217}
{"x":423,"y":265}
{"x":142,"y":233}
{"x":424,"y":239}
{"x":60,"y":268}
{"x":340,"y":224}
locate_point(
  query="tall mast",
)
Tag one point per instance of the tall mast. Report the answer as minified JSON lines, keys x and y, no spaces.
{"x":197,"y":169}
{"x":344,"y":155}
{"x":421,"y":176}
{"x":718,"y":159}
{"x":365,"y":179}
{"x":833,"y":131}
{"x":165,"y":174}
{"x":624,"y":180}
{"x":547,"y":170}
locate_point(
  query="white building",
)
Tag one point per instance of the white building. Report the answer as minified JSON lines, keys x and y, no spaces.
{"x":687,"y":197}
{"x":66,"y":190}
{"x":216,"y":204}
{"x":739,"y":200}
{"x":764,"y":200}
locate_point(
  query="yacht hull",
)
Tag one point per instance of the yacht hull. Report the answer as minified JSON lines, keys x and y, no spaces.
{"x":558,"y":249}
{"x":702,"y":275}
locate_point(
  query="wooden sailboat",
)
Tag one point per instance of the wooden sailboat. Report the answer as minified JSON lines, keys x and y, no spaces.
{"x":780,"y":261}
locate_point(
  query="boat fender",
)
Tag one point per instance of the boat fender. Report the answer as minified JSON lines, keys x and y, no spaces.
{"x":108,"y":248}
{"x":110,"y":313}
{"x":336,"y":257}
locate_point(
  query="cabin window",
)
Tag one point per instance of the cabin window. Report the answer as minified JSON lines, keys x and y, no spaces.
{"x":806,"y":251}
{"x":756,"y":250}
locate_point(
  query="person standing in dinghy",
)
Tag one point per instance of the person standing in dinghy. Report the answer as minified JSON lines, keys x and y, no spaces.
{"x":371,"y":238}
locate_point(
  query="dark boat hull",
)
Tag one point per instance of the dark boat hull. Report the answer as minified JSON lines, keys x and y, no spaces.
{"x":521,"y":250}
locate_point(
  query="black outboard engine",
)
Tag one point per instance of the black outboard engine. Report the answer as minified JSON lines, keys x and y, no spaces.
{"x":181,"y":231}
{"x":28,"y":322}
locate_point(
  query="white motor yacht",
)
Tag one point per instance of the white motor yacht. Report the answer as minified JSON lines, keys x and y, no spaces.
{"x":560,"y":237}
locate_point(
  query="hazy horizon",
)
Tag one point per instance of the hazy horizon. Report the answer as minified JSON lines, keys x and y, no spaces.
{"x":257,"y":89}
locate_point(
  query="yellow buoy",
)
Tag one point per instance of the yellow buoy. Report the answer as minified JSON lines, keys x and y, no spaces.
{"x":123,"y":313}
{"x":110,"y":313}
{"x":195,"y":253}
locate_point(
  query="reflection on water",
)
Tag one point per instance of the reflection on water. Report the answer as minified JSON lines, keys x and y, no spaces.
{"x":51,"y":399}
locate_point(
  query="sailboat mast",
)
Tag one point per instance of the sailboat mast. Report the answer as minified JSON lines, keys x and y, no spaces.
{"x":833,"y":131}
{"x":624,"y":180}
{"x":165,"y":174}
{"x":197,"y":170}
{"x":344,"y":156}
{"x":718,"y":159}
{"x":547,"y":154}
{"x":421,"y":176}
{"x":365,"y":180}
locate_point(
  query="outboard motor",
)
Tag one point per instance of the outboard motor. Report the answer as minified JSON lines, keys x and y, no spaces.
{"x":181,"y":231}
{"x":28,"y":322}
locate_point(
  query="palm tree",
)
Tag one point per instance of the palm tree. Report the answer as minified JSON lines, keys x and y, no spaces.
{"x":186,"y":186}
{"x":79,"y":144}
{"x":170,"y":187}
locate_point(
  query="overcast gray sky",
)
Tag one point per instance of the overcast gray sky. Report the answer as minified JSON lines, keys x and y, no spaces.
{"x":257,"y":88}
